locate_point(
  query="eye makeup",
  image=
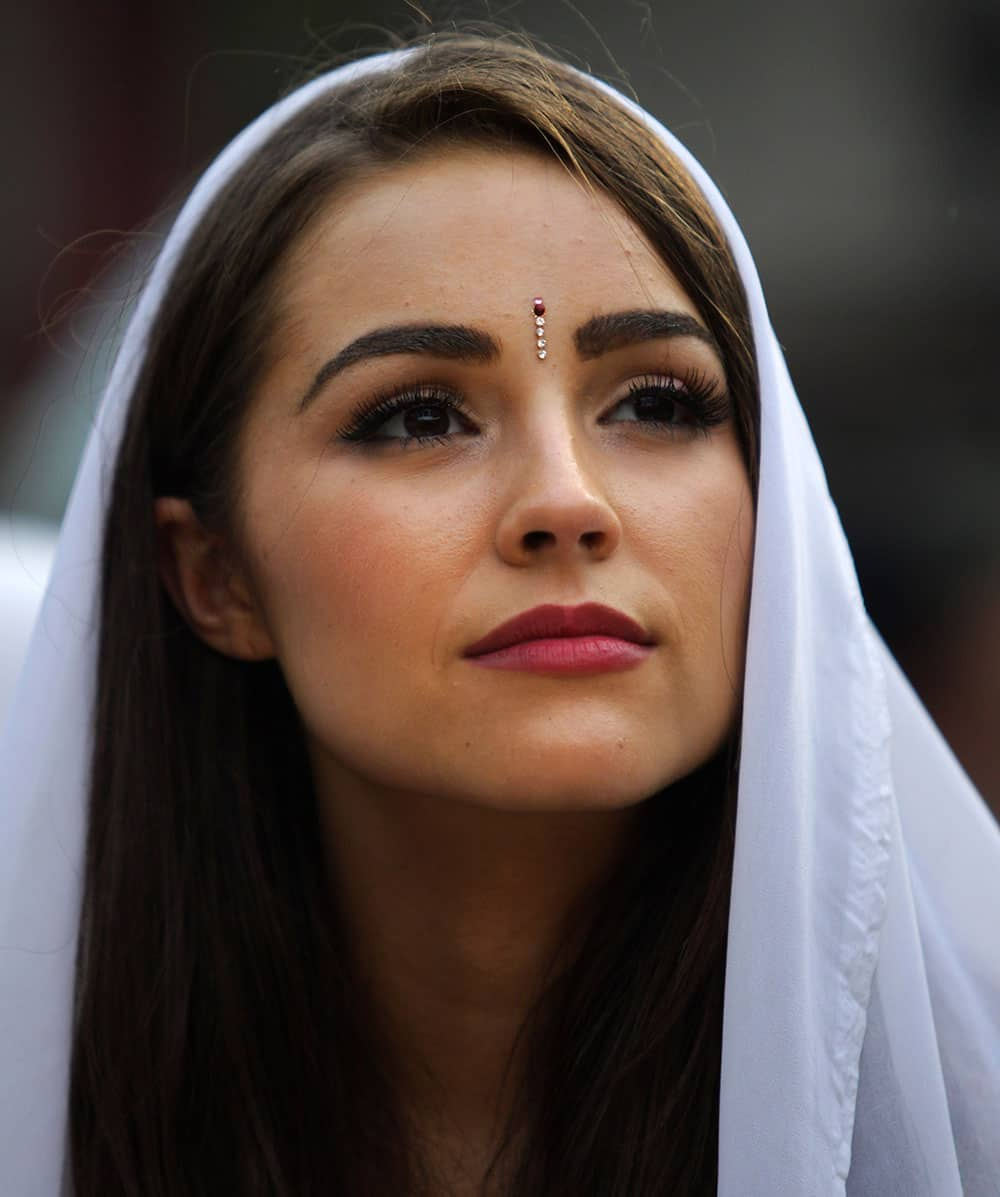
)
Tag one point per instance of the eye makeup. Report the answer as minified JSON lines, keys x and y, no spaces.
{"x":424,"y":400}
{"x":681,"y":402}
{"x":690,"y":401}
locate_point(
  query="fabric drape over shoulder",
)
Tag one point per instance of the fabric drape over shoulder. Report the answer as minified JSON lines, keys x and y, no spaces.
{"x":861,"y":1043}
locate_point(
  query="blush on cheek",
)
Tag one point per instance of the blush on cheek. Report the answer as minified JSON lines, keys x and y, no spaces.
{"x":350,"y":574}
{"x":353,"y":572}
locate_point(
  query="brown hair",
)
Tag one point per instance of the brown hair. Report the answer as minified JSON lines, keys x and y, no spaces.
{"x":220,"y":1045}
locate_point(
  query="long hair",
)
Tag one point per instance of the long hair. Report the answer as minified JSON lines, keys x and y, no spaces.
{"x":221,"y":1044}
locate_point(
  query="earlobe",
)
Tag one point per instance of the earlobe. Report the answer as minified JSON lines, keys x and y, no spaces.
{"x":199,"y":573}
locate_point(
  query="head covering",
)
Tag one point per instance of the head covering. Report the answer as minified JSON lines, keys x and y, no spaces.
{"x":861,"y":1041}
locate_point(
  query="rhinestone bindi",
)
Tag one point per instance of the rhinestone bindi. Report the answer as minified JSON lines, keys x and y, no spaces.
{"x":538,"y":307}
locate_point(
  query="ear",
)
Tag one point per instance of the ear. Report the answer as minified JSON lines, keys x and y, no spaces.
{"x":207,"y":588}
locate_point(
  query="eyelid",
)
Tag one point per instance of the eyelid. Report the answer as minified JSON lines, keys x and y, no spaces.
{"x":687,"y":381}
{"x":376,"y":410}
{"x":702,"y":395}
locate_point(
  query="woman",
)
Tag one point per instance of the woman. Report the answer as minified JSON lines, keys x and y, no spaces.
{"x":426,"y":669}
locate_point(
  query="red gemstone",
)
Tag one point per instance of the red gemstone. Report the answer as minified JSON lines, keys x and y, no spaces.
{"x":539,"y":306}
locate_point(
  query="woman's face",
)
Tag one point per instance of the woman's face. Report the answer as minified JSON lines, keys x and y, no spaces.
{"x":414,"y":473}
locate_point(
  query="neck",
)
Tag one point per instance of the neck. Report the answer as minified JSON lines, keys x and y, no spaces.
{"x":458,"y":915}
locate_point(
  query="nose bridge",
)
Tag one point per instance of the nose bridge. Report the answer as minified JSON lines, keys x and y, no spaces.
{"x":556,"y":501}
{"x":550,"y":445}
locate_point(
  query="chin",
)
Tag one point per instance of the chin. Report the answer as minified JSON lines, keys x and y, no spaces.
{"x":578,"y":780}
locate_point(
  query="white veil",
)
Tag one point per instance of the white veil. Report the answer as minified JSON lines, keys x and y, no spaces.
{"x":861,"y":1046}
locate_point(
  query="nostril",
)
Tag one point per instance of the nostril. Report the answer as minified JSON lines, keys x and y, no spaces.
{"x":535,"y":540}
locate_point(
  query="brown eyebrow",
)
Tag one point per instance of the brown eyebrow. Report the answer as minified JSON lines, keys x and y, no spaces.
{"x":599,"y":334}
{"x":457,"y":341}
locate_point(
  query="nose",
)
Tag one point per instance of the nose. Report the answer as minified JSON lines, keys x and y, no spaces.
{"x":556,"y":509}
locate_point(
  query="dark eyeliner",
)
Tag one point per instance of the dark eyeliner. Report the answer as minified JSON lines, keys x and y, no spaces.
{"x":372,"y":413}
{"x":706,"y":402}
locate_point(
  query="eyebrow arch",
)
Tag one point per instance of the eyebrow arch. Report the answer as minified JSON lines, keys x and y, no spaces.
{"x":456,"y":341}
{"x":601,"y":334}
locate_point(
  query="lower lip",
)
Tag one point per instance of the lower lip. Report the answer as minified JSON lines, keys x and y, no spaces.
{"x":567,"y":654}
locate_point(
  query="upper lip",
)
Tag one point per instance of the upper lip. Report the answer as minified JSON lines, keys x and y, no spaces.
{"x":550,"y":621}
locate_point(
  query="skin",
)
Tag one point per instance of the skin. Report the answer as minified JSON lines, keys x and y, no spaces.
{"x":468,"y":811}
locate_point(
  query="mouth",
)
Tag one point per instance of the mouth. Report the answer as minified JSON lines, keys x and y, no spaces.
{"x":585,"y":639}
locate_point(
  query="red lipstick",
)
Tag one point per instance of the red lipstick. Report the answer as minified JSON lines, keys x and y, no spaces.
{"x":590,"y":638}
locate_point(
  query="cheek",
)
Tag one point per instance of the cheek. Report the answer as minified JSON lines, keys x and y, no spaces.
{"x":357,"y":580}
{"x":694,"y":530}
{"x":725,"y":548}
{"x":695,"y":535}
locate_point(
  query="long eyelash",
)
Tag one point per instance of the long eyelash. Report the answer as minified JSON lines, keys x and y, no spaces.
{"x":707,"y":402}
{"x":701,"y":395}
{"x":372,"y":413}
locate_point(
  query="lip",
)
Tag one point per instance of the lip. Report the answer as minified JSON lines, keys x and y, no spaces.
{"x":588,"y":622}
{"x":567,"y":654}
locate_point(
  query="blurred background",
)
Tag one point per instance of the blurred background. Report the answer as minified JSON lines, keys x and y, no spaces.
{"x":858,"y":144}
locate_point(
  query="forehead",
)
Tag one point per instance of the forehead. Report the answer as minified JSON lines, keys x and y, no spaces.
{"x":475,"y":233}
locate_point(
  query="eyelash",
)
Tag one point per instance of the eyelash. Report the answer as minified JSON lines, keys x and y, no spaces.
{"x":698,"y":396}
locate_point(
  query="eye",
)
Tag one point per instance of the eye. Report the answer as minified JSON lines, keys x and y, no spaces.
{"x":422,"y":414}
{"x":653,"y":404}
{"x":670,"y":403}
{"x":420,"y":422}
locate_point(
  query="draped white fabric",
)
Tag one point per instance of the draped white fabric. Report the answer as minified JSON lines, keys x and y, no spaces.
{"x":861,"y":1049}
